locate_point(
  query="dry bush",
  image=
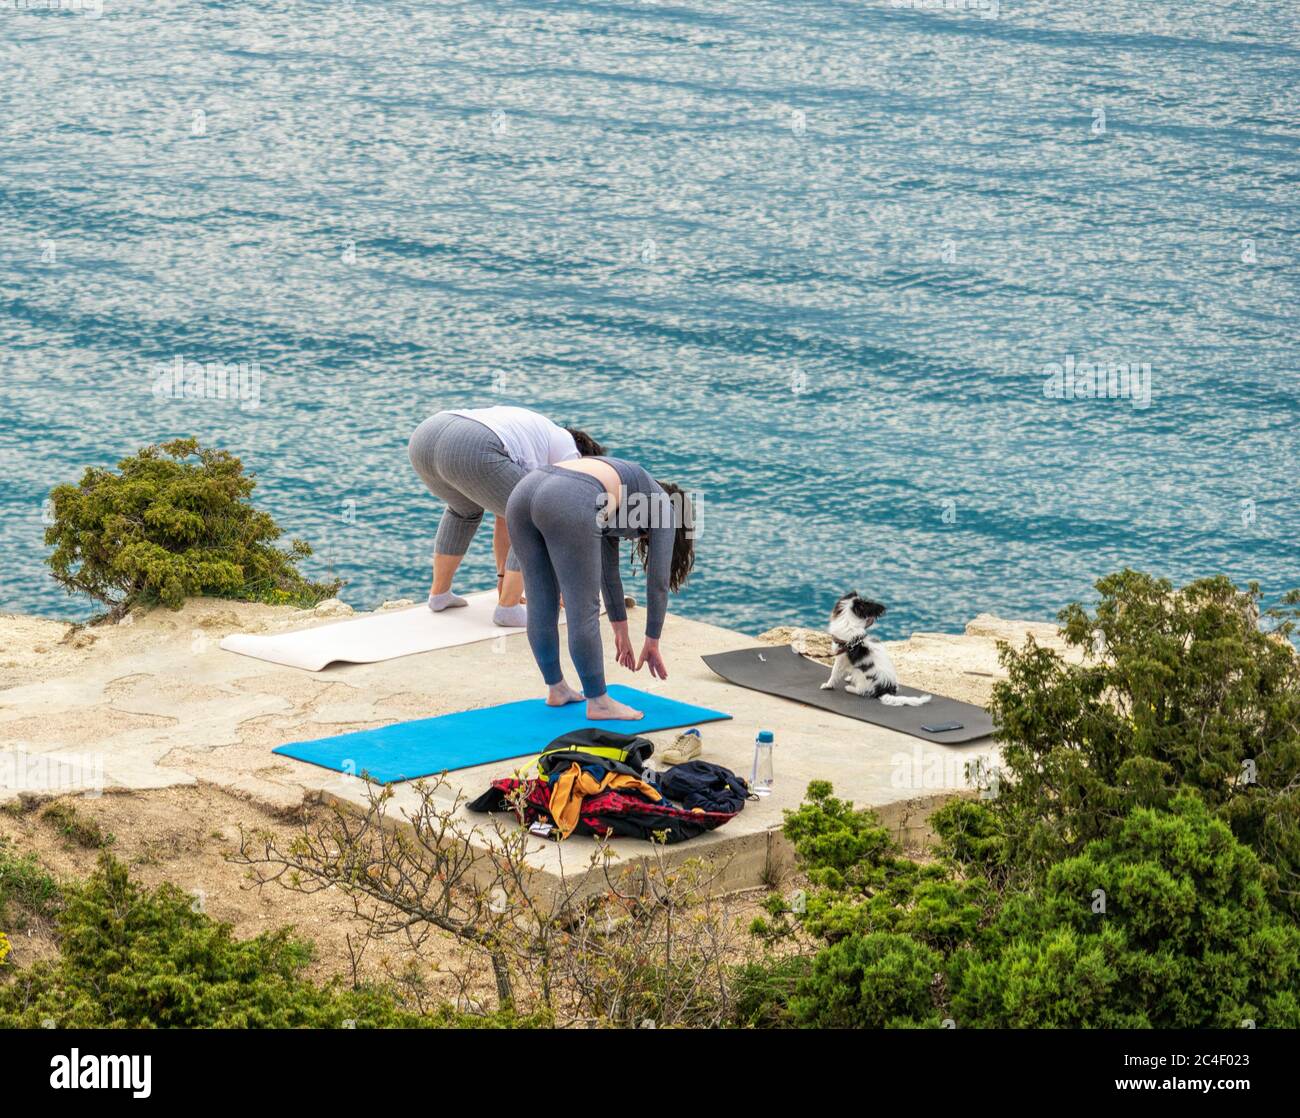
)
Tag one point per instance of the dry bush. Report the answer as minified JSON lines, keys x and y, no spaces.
{"x":644,"y":945}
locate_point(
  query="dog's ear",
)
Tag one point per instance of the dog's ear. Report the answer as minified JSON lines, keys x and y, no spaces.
{"x":875,"y":609}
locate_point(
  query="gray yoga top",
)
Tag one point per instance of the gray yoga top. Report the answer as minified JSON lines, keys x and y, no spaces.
{"x":646,"y":510}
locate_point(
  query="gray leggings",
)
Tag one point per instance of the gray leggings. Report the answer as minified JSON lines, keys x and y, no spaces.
{"x":552,"y":519}
{"x":464,"y":463}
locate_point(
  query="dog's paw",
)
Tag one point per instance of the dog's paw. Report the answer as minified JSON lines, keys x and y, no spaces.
{"x":829,"y":685}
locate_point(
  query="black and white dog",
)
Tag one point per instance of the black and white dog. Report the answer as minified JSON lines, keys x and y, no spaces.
{"x":861,"y":662}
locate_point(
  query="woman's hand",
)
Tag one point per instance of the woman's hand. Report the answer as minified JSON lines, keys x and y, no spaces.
{"x":623,"y":646}
{"x":650,"y":655}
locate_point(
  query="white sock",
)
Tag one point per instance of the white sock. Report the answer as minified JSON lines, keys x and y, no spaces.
{"x":511,"y":617}
{"x":447,"y":600}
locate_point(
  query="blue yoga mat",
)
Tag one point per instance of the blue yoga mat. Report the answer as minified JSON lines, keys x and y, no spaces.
{"x":408,"y":750}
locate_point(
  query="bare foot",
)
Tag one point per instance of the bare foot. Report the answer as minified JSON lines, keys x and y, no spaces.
{"x":562,"y":694}
{"x":605,"y":707}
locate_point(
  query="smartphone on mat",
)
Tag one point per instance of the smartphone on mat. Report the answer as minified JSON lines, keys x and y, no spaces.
{"x":943,"y":727}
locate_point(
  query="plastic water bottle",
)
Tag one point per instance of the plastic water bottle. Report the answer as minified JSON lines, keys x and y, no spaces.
{"x":761,"y":783}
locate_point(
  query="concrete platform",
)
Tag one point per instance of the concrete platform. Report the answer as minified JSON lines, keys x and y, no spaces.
{"x":157,"y":703}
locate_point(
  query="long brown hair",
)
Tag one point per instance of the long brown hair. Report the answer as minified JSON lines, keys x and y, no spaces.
{"x":683,"y":538}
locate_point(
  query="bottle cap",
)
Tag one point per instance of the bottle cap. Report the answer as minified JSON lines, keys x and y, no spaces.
{"x":765,"y":736}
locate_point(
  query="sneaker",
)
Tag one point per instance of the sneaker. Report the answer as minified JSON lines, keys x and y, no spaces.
{"x":687,"y":747}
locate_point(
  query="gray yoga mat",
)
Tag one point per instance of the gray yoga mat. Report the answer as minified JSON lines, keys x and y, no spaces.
{"x":780,"y":670}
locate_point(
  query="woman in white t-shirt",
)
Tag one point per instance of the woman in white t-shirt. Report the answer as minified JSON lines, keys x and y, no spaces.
{"x":472,"y":459}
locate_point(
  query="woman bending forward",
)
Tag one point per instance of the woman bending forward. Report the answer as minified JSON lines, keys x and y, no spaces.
{"x":566,"y":523}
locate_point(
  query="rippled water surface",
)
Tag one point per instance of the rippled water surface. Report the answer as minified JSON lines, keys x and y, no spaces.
{"x":811,"y":260}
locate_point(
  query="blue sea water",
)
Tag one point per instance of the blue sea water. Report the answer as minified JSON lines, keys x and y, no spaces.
{"x":814,"y":261}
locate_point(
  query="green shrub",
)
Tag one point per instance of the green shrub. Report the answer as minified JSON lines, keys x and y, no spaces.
{"x":135,"y":958}
{"x":861,"y":884}
{"x":1185,"y":938}
{"x":1181,"y":690}
{"x":174,"y":521}
{"x":971,"y":834}
{"x":761,"y":991}
{"x":870,"y":981}
{"x":1166,"y":923}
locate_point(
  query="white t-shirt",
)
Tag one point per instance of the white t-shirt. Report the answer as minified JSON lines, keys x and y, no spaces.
{"x":530,"y":439}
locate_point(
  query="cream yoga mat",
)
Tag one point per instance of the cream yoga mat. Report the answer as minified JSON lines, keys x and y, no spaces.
{"x":377,"y":636}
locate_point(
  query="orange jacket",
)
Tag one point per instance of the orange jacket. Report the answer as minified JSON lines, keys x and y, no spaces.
{"x":574,"y":785}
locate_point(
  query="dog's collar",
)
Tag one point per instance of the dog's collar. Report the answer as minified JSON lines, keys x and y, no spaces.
{"x":839,"y":647}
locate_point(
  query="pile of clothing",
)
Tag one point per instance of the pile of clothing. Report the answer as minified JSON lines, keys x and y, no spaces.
{"x":595,"y":782}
